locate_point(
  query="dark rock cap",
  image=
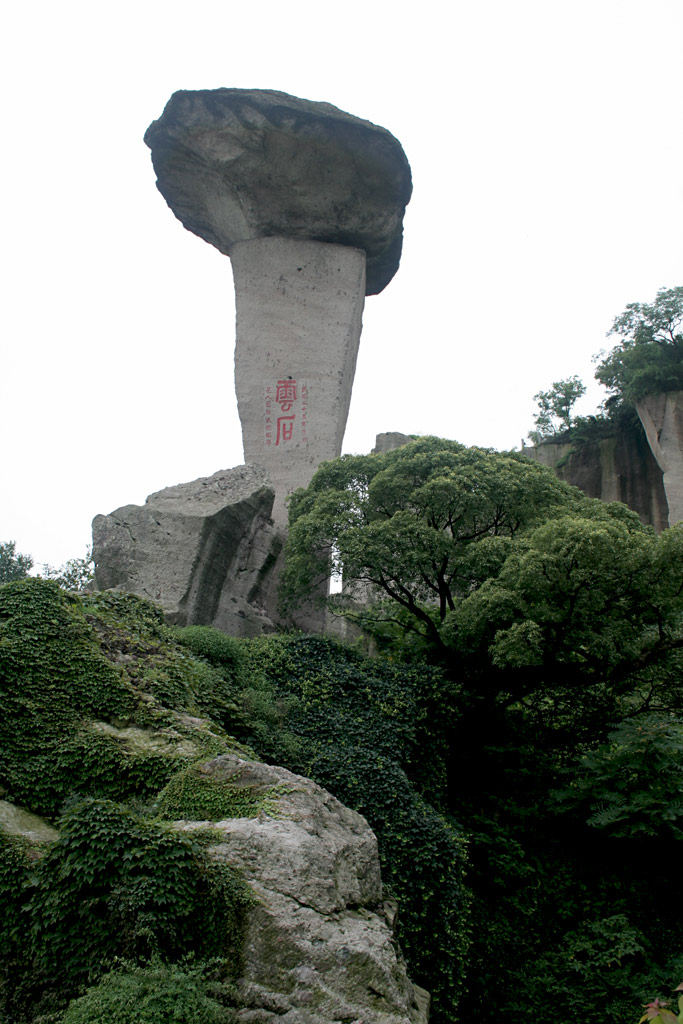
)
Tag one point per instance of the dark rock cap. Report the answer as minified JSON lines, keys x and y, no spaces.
{"x":236,"y":164}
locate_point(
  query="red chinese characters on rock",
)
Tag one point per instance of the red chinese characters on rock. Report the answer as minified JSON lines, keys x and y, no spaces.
{"x":286,"y":408}
{"x":286,"y":394}
{"x":285,"y":429}
{"x":269,"y":415}
{"x":304,"y":413}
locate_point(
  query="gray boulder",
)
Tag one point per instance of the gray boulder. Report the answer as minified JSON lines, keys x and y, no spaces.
{"x":240,"y":164}
{"x":318,"y":948}
{"x":206,"y":551}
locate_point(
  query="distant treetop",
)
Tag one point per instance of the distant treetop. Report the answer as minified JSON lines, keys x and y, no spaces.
{"x":649,"y":356}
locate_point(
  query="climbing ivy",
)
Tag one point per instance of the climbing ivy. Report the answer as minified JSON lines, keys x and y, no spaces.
{"x":77,"y":674}
{"x":113,"y":885}
{"x":154,"y":993}
{"x":104,"y":708}
{"x":193,"y":795}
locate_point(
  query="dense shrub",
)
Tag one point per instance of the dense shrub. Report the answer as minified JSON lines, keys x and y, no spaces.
{"x":66,"y":662}
{"x":157,"y":993}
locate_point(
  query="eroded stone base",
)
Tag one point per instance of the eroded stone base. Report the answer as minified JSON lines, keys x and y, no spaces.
{"x":206,"y":551}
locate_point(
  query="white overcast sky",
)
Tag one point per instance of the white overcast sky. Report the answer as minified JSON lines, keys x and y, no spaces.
{"x":546,"y":144}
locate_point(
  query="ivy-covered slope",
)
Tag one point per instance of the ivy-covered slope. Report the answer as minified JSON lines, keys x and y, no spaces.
{"x":106,"y":716}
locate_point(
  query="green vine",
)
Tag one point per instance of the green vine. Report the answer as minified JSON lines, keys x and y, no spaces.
{"x":113,"y":885}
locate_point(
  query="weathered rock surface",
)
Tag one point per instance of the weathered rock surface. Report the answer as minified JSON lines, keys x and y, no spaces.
{"x":619,"y":468}
{"x":205,"y":551}
{"x":239,"y":164}
{"x":318,"y":947}
{"x":662,"y":418}
{"x":17,"y":821}
{"x":389,"y":440}
{"x":299,"y":317}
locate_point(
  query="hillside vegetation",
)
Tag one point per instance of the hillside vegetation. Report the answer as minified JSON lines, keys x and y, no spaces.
{"x":516,"y":743}
{"x":105,"y":716}
{"x":557,"y":623}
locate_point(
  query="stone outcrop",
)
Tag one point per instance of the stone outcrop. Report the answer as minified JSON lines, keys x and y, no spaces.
{"x":206,"y":551}
{"x":662,"y":418}
{"x":239,"y":164}
{"x":17,"y":821}
{"x":390,"y":440}
{"x":308,"y":202}
{"x":619,"y":468}
{"x":318,"y":948}
{"x":318,"y":944}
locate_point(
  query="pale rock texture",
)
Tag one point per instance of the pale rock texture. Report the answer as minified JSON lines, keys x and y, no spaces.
{"x":299,"y":307}
{"x":205,"y":551}
{"x":662,"y":418}
{"x":318,"y":948}
{"x":390,"y":440}
{"x":17,"y":821}
{"x":238,"y":164}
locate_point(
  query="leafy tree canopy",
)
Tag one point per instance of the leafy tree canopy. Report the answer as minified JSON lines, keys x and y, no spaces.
{"x":583,"y":622}
{"x":419,"y":527}
{"x":649,"y":356}
{"x":12,"y":565}
{"x":74,"y":574}
{"x":554,"y":416}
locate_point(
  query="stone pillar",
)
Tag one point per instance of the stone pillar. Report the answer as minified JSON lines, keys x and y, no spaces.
{"x":299,"y":317}
{"x":662,"y":418}
{"x":308,"y":203}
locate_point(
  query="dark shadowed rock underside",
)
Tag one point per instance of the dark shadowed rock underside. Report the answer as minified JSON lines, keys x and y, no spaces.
{"x":237,"y":164}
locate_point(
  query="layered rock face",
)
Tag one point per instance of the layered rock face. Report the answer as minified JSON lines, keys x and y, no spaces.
{"x":206,"y":551}
{"x":662,"y":418}
{"x":619,"y":468}
{"x":308,"y":202}
{"x":318,"y":948}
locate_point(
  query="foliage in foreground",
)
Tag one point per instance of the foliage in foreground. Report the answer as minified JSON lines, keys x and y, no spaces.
{"x":561,"y":640}
{"x":90,"y":737}
{"x":416,"y":527}
{"x":155,"y":993}
{"x":113,"y":885}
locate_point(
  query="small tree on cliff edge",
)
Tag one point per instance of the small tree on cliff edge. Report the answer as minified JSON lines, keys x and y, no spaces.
{"x":554,"y":416}
{"x":649,"y":357}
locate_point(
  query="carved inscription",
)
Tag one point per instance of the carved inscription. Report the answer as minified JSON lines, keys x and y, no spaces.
{"x":286,"y":413}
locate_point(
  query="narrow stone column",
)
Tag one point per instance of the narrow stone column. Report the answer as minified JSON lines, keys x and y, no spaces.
{"x":299,"y":306}
{"x":662,"y":418}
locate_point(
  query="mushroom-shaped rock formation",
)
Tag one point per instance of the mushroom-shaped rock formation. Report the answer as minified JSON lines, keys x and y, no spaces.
{"x":239,"y":164}
{"x":308,"y":202}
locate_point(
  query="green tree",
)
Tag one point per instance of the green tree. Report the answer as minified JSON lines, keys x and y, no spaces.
{"x":75,"y":574}
{"x":554,"y":416}
{"x":632,"y":785}
{"x":414,"y":530}
{"x":12,"y":565}
{"x":582,"y":625}
{"x":649,"y":356}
